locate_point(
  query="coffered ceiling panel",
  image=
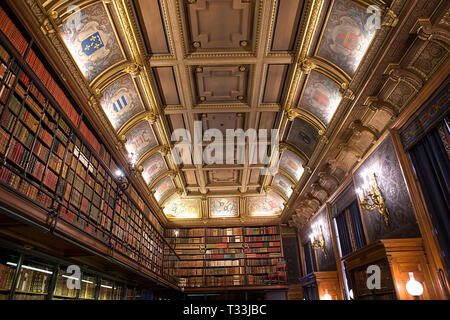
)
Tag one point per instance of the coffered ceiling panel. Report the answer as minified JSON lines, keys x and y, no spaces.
{"x":223,"y":176}
{"x":275,"y":79}
{"x":287,"y":18}
{"x":153,"y":25}
{"x":219,"y":24}
{"x":219,"y":84}
{"x":223,"y":121}
{"x":167,"y":85}
{"x":267,"y":121}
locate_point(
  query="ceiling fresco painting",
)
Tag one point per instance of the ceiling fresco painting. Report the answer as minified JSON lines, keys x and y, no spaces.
{"x":121,"y":101}
{"x":163,"y":187}
{"x":282,"y":183}
{"x":140,"y":139}
{"x":153,"y":168}
{"x":229,"y":64}
{"x":321,"y":96}
{"x":304,"y":136}
{"x":292,"y":164}
{"x":177,"y":208}
{"x":269,"y":205}
{"x":347,"y":35}
{"x":91,"y":40}
{"x":224,"y":207}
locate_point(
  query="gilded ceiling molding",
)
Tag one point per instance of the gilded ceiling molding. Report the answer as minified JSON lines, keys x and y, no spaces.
{"x":161,"y":149}
{"x":427,"y":32}
{"x":134,"y":121}
{"x":170,"y":173}
{"x":287,"y":175}
{"x":304,"y":114}
{"x":328,"y":181}
{"x":374,"y":103}
{"x":330,"y":69}
{"x":319,"y":192}
{"x":291,"y":147}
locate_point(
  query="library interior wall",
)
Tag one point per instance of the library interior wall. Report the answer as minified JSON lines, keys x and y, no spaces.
{"x":402,"y":221}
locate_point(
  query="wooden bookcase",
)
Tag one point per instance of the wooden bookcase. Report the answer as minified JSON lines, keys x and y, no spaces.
{"x":315,"y":284}
{"x":50,"y":156}
{"x":395,"y":258}
{"x":227,"y":257}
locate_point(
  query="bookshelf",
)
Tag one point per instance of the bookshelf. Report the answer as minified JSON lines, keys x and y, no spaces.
{"x":222,"y":257}
{"x":50,"y":156}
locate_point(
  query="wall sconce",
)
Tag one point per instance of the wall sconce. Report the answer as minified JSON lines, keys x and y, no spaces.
{"x":122,"y":180}
{"x":327,"y":296}
{"x":370,"y":197}
{"x":318,"y":241}
{"x":176,"y":233}
{"x":414,"y":287}
{"x":132,"y":164}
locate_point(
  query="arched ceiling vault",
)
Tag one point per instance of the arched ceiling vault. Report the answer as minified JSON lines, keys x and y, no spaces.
{"x":154,"y":66}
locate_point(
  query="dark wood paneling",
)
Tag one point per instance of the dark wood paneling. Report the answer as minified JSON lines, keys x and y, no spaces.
{"x":153,"y":26}
{"x":276,"y":75}
{"x":167,"y":85}
{"x":286,"y":24}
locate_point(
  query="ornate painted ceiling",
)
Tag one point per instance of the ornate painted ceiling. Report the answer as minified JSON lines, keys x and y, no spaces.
{"x":155,"y":66}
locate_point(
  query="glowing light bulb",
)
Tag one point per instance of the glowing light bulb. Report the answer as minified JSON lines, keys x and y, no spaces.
{"x":413,"y":286}
{"x":327,"y":296}
{"x":119,"y":173}
{"x":350,"y":294}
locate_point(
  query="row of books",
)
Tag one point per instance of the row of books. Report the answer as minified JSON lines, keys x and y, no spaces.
{"x":55,"y":90}
{"x":17,"y":183}
{"x":225,"y":233}
{"x":262,"y":249}
{"x":224,"y":239}
{"x":88,"y":191}
{"x":10,"y":30}
{"x":6,"y":276}
{"x":225,"y":271}
{"x":264,"y":244}
{"x":262,"y":230}
{"x":262,"y":238}
{"x":216,"y":232}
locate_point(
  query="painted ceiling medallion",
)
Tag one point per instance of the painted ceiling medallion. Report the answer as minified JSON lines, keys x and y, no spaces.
{"x":163,"y":187}
{"x":176,"y":207}
{"x":292,"y":164}
{"x":269,"y":205}
{"x":121,"y":101}
{"x":304,"y":136}
{"x":153,"y":167}
{"x":92,"y":40}
{"x":224,"y":207}
{"x":321,"y":96}
{"x":283,"y":184}
{"x":347,"y":35}
{"x":140,"y":140}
